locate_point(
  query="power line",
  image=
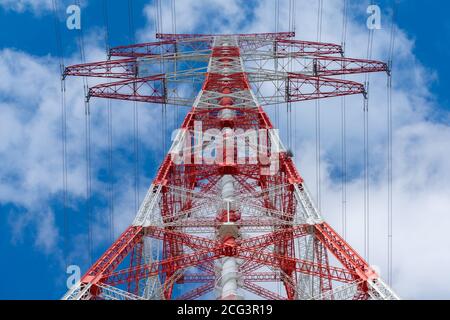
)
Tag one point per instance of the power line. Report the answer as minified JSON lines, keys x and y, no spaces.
{"x":389,"y":119}
{"x":110,"y":133}
{"x":63,"y":129}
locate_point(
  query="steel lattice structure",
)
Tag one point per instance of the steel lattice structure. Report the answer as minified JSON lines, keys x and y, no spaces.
{"x":244,"y":222}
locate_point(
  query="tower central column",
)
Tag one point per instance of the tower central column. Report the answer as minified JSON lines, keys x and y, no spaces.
{"x":228,"y":231}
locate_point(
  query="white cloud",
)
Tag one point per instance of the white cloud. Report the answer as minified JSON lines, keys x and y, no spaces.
{"x":30,"y":143}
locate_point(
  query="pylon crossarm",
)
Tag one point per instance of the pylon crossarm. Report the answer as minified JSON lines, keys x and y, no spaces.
{"x":149,"y":89}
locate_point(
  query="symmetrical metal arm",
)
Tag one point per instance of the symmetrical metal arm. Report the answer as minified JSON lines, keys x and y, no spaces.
{"x":144,"y":82}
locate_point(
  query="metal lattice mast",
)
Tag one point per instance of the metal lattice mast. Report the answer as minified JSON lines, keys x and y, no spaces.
{"x":228,"y":211}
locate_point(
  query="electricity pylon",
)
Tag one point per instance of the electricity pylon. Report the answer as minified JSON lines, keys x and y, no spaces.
{"x":228,"y":212}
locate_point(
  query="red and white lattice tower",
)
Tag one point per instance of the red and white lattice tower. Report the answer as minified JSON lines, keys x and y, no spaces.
{"x":228,"y":212}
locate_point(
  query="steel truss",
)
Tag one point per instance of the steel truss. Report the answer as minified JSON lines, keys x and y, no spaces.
{"x":240,"y":223}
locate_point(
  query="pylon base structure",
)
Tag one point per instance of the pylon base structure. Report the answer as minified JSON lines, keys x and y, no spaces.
{"x":228,"y":216}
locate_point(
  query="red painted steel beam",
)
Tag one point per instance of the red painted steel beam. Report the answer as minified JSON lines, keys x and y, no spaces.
{"x":333,"y":66}
{"x":306,"y":48}
{"x":344,"y":252}
{"x":114,"y":255}
{"x":123,"y":68}
{"x":149,"y":89}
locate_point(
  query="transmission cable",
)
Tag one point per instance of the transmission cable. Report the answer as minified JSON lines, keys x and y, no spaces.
{"x":366,"y":153}
{"x":87,"y":143}
{"x":389,"y":120}
{"x":344,"y":130}
{"x":317,"y":115}
{"x":135,"y":117}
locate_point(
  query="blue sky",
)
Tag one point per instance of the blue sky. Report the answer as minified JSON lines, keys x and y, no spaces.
{"x":31,"y":227}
